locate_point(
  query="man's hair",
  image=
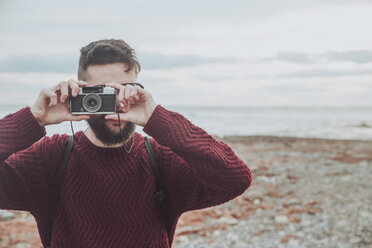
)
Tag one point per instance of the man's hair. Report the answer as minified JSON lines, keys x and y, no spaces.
{"x":104,"y":52}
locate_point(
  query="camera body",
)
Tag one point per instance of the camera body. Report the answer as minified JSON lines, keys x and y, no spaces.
{"x":93,"y":100}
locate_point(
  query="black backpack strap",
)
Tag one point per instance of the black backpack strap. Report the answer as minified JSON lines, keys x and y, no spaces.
{"x":160,"y":193}
{"x":55,"y":195}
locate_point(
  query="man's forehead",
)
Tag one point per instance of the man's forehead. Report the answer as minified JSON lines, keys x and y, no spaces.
{"x":115,"y":72}
{"x":107,"y":68}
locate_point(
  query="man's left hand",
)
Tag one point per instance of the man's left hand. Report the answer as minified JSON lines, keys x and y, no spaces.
{"x":135,"y":104}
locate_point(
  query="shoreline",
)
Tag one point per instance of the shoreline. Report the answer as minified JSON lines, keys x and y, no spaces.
{"x":270,"y":138}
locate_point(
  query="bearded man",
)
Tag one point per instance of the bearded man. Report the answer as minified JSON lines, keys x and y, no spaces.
{"x":107,"y":193}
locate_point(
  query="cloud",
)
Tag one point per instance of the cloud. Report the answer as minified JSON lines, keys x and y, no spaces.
{"x":294,"y":57}
{"x":69,"y":64}
{"x":152,"y":61}
{"x":213,"y":77}
{"x":325,"y":73}
{"x":36,"y":63}
{"x":356,"y":56}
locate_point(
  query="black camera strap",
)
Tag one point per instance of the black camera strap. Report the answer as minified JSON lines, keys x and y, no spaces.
{"x":159,"y":195}
{"x":55,"y":195}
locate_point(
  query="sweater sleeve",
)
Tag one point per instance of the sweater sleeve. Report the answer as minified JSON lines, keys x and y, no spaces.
{"x":200,"y":170}
{"x":20,"y":160}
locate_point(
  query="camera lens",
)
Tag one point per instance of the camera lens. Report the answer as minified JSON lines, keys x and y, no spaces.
{"x":92,"y":102}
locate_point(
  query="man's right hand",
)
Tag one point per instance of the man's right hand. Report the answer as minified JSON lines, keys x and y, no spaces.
{"x":52,"y":105}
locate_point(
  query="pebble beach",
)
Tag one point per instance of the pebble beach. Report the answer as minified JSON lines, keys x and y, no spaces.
{"x":305,"y":193}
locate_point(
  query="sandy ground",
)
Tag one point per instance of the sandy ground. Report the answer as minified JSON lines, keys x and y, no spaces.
{"x":305,"y":193}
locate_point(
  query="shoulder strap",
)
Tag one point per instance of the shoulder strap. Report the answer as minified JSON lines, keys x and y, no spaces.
{"x":160,"y":194}
{"x":60,"y":175}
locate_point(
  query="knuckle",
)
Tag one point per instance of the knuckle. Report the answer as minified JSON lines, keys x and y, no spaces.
{"x":44,"y":91}
{"x":73,"y":84}
{"x":48,"y":92}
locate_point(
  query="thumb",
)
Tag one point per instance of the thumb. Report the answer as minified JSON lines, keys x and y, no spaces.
{"x":78,"y":117}
{"x":112,"y":117}
{"x":123,"y":117}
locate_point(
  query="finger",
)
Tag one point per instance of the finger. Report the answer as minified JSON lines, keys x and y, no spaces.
{"x":120,"y":89}
{"x":132,"y":95}
{"x":74,"y":88}
{"x":128,"y":92}
{"x":121,"y":106}
{"x":131,"y":100}
{"x":134,"y":92}
{"x":136,"y":98}
{"x":64,"y":91}
{"x":124,"y":105}
{"x":82,"y":83}
{"x":121,"y":94}
{"x":57,"y":87}
{"x":51,"y":96}
{"x":138,"y":89}
{"x":78,"y":117}
{"x":112,"y":117}
{"x":127,"y":103}
{"x":115,"y":117}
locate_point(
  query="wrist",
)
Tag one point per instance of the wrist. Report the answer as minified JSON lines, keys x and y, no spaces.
{"x":37,"y":117}
{"x":150,"y":109}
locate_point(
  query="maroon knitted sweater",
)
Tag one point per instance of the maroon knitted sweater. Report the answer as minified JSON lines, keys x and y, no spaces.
{"x":107,"y":196}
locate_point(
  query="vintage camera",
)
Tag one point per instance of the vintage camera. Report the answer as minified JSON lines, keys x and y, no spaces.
{"x":94,"y":100}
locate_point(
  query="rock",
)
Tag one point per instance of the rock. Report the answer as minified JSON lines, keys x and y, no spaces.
{"x":266,"y":179}
{"x":274,"y":194}
{"x":232,"y":236}
{"x":281,"y":219}
{"x":363,"y":125}
{"x":305,"y":223}
{"x":354,"y":240}
{"x":183,"y":239}
{"x":228,"y":220}
{"x":6,"y":215}
{"x":365,"y":214}
{"x":293,"y":201}
{"x":293,"y":243}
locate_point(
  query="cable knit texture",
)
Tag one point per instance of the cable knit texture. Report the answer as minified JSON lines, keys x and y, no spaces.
{"x":107,"y":196}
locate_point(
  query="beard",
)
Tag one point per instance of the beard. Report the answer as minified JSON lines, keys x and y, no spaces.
{"x":106,"y":135}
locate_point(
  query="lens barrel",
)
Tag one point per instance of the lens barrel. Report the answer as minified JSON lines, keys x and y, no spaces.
{"x":92,"y":102}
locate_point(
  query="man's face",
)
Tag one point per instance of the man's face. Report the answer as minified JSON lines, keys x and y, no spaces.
{"x":107,"y":131}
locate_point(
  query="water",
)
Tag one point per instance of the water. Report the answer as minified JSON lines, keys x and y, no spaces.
{"x":331,"y":123}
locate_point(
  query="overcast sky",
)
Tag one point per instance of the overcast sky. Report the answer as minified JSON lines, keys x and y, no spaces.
{"x":199,"y":52}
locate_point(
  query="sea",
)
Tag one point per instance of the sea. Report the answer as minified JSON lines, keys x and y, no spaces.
{"x":350,"y":123}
